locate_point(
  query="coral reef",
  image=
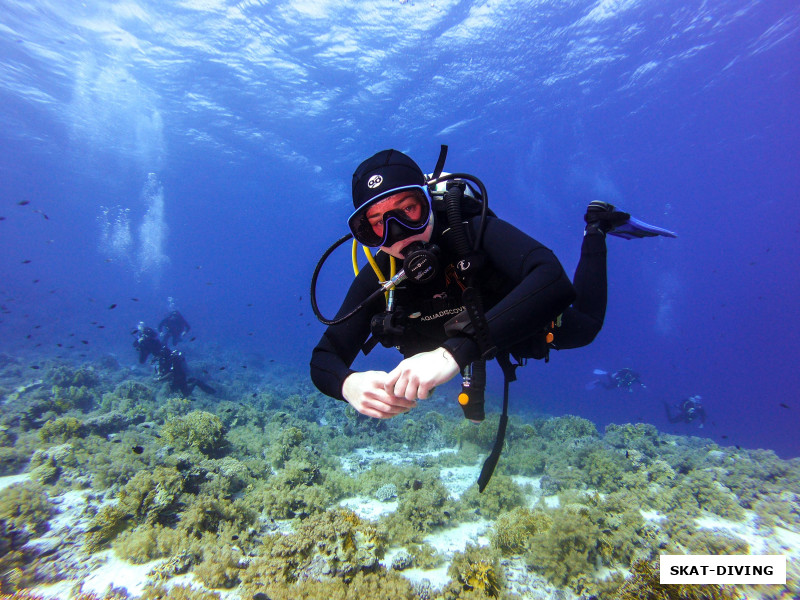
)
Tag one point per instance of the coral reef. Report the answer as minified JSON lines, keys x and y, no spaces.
{"x":241,"y":493}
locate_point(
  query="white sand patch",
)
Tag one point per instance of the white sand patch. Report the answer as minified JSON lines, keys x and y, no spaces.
{"x":112,"y":573}
{"x":551,"y":501}
{"x":789,"y":540}
{"x":361,"y":459}
{"x":455,"y":539}
{"x":10,"y":480}
{"x":652,"y":515}
{"x":437,"y":578}
{"x":369,"y":508}
{"x":746,"y":530}
{"x":70,"y":505}
{"x":458,"y":480}
{"x":118,"y":573}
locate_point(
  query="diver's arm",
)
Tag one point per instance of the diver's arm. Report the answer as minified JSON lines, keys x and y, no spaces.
{"x":340,"y":344}
{"x":542,"y":293}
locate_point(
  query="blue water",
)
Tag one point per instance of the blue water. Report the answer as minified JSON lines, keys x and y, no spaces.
{"x":252,"y":117}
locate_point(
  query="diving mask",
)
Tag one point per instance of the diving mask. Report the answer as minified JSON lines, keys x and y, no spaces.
{"x":410,"y":217}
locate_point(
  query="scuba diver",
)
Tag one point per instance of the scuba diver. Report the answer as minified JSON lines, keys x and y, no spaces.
{"x":171,"y":367}
{"x":173,"y":325}
{"x":472,"y":287}
{"x":146,"y":342}
{"x":688,"y":411}
{"x":623,"y":379}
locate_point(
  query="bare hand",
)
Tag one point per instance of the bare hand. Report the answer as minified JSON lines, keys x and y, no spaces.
{"x":415,"y":377}
{"x":366,"y":392}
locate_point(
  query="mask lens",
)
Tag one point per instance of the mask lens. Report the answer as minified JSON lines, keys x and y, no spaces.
{"x":410,"y":216}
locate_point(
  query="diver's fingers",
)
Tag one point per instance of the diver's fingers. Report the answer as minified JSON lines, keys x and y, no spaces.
{"x":380,"y":409}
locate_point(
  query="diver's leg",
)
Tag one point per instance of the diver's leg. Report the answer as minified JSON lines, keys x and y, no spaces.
{"x":582,"y":321}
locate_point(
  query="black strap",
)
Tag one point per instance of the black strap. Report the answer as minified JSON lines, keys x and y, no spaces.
{"x":509,"y":375}
{"x":440,"y":163}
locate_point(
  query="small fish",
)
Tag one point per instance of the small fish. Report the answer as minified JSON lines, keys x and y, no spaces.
{"x":35,"y":281}
{"x":135,"y":299}
{"x":724,"y":437}
{"x":26,"y":261}
{"x":23,"y":202}
{"x":2,"y":218}
{"x":260,"y":596}
{"x":84,"y":342}
{"x":137,"y":449}
{"x":222,"y":368}
{"x":250,"y":304}
{"x":193,"y":338}
{"x":783,"y":405}
{"x":116,"y":441}
{"x":234,"y":537}
{"x":112,"y":307}
{"x":35,"y":367}
{"x":244,"y":366}
{"x":41,"y":212}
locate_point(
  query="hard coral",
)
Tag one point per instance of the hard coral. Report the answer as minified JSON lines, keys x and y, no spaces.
{"x":335,"y":544}
{"x":200,"y":430}
{"x":644,"y":584}
{"x":501,"y":495}
{"x":477,"y":569}
{"x":513,"y":531}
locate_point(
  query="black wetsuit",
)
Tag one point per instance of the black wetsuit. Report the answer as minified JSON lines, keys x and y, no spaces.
{"x":171,"y":367}
{"x":147,"y":343}
{"x":523,"y":288}
{"x":689,"y":410}
{"x":173,"y":325}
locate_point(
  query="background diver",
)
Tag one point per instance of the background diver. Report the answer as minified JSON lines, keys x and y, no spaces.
{"x":173,"y":326}
{"x":529,"y":303}
{"x":623,"y":379}
{"x":688,"y":411}
{"x":146,"y":342}
{"x":171,"y":367}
